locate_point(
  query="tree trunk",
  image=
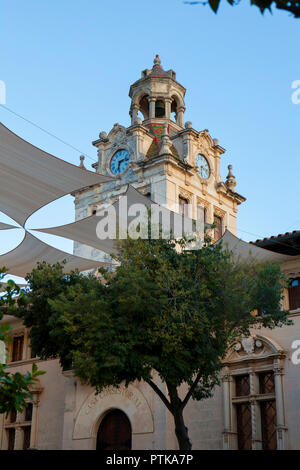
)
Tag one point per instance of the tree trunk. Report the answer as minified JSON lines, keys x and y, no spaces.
{"x":175,"y":406}
{"x":181,"y":431}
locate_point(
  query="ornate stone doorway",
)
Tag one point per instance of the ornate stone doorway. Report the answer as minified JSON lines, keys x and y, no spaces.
{"x":114,"y":432}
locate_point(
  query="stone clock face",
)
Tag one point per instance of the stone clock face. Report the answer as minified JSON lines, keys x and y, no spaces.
{"x":203,"y":166}
{"x":119,"y":162}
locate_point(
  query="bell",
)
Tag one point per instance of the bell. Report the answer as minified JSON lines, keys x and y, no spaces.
{"x":159,"y":109}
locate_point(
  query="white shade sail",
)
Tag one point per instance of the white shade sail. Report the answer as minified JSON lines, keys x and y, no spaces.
{"x":244,"y":250}
{"x":31,"y":178}
{"x":22,"y":259}
{"x":3,"y":285}
{"x":85,"y":230}
{"x":6,"y":226}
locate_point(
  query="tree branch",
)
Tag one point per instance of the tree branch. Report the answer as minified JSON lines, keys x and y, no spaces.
{"x":191,"y":390}
{"x":160,"y":394}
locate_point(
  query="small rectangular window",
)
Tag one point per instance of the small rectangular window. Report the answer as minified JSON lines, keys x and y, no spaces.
{"x":28,"y":412}
{"x":294,"y":294}
{"x":13,"y":416}
{"x":17,"y":349}
{"x":266,"y":382}
{"x":218,"y":227}
{"x":242,"y":385}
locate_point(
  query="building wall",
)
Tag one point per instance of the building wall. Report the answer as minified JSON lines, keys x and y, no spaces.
{"x":69,"y":413}
{"x":48,"y":415}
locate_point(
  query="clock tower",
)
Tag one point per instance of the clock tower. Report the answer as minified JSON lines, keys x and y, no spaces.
{"x":163,"y":157}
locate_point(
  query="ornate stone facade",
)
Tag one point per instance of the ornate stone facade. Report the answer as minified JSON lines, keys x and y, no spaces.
{"x":163,"y":156}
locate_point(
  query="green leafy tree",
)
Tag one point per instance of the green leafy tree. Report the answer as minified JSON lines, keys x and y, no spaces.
{"x":292,"y":6}
{"x":14,"y":388}
{"x":164,"y":308}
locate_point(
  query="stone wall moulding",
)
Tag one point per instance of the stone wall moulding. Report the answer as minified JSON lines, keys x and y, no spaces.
{"x":130,"y":400}
{"x":203,"y":202}
{"x":219,"y":212}
{"x":254,"y":347}
{"x":185,"y":194}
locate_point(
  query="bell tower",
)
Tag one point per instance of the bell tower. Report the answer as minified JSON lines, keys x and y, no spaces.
{"x":157,"y":95}
{"x":163,"y":157}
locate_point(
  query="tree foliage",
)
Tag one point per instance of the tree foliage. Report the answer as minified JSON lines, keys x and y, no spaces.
{"x":164,"y":309}
{"x":14,"y":388}
{"x":292,"y":6}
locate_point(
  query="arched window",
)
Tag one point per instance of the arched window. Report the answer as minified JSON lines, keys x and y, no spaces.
{"x":114,"y":432}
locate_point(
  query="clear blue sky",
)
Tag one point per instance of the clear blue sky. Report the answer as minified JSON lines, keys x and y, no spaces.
{"x":68,"y":66}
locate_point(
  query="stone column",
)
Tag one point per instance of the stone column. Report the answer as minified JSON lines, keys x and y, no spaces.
{"x":34,"y":423}
{"x":101,"y":151}
{"x":152,"y":101}
{"x":281,"y":427}
{"x":19,"y":438}
{"x":228,"y":434}
{"x":134,"y":113}
{"x":168,"y":102}
{"x":180,"y":116}
{"x":217,"y":167}
{"x":25,"y":344}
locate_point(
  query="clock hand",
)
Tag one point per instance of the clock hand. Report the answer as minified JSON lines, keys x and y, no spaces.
{"x":120,"y":161}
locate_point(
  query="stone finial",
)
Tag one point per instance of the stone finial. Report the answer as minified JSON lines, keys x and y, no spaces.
{"x":103,"y":135}
{"x":230,"y":179}
{"x":188,"y":125}
{"x":157,"y":60}
{"x":165,"y":142}
{"x":82,"y":157}
{"x":138,"y":121}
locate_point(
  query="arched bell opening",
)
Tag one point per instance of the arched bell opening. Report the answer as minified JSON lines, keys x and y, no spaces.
{"x":114,"y":432}
{"x":144,"y":107}
{"x":160,"y":110}
{"x":174,"y":110}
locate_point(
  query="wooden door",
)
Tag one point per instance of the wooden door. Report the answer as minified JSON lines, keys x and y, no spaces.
{"x":114,"y":432}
